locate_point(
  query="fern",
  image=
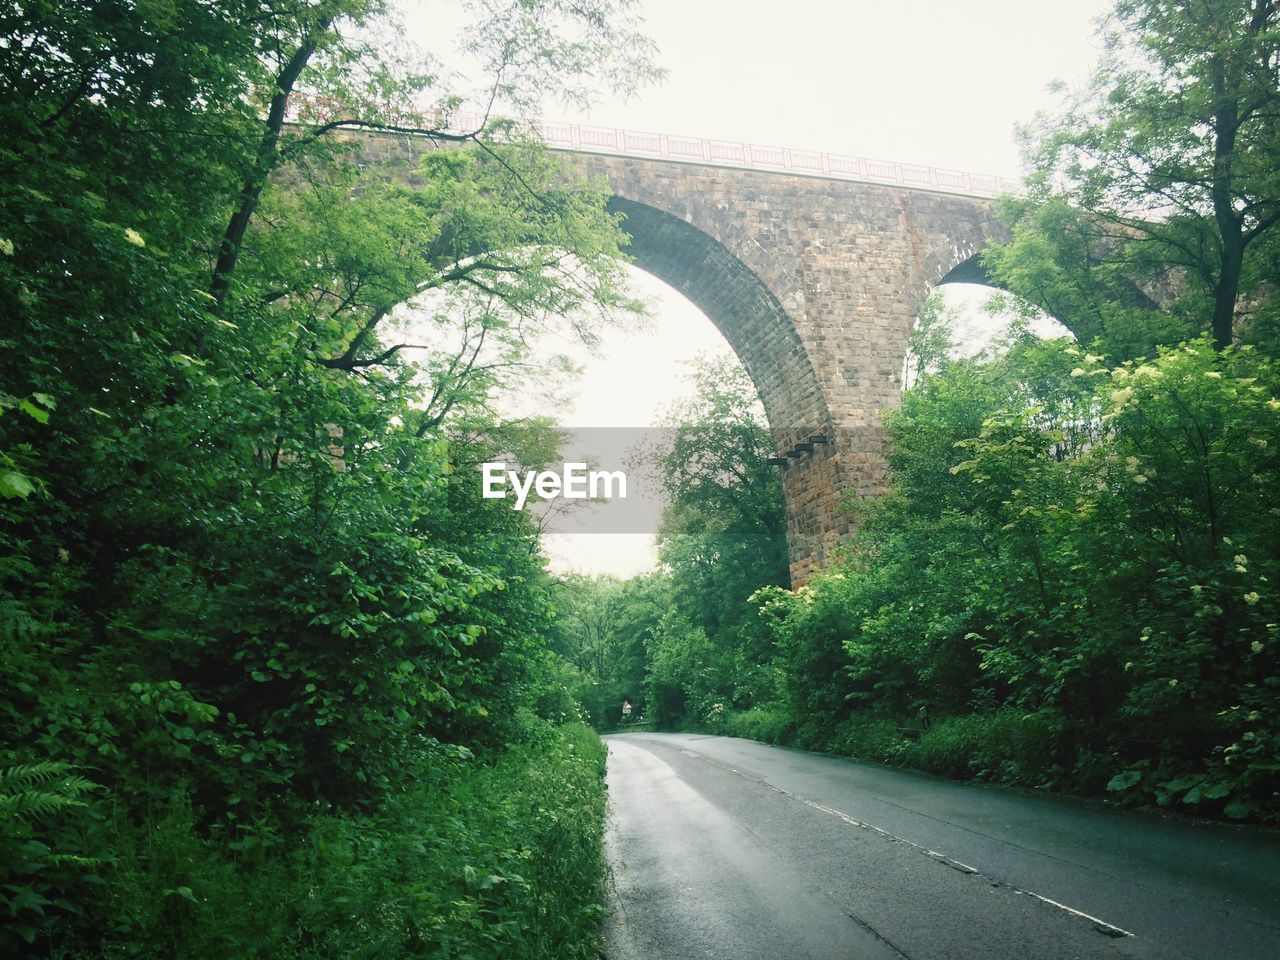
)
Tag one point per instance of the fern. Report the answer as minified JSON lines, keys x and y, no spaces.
{"x":43,"y":880}
{"x":34,"y":792}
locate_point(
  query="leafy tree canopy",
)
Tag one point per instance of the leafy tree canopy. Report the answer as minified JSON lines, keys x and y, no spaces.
{"x":1153,"y":196}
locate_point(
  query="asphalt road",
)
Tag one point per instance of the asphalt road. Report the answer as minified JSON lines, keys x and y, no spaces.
{"x":729,"y":848}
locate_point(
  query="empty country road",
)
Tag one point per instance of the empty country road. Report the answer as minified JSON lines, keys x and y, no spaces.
{"x":731,"y":849}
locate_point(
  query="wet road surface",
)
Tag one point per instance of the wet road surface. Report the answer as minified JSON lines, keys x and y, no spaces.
{"x":728,"y":848}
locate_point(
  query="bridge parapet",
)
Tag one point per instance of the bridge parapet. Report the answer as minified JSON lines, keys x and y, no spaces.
{"x":583,"y":138}
{"x":751,"y":156}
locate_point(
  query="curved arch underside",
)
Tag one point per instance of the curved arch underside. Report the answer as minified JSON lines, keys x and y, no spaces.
{"x":744,"y":310}
{"x":970,"y":270}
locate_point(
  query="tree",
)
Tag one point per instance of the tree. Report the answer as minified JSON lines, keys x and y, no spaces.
{"x":722,"y":537}
{"x":1162,"y":174}
{"x":932,"y":341}
{"x":603,"y":626}
{"x":724,"y":517}
{"x":1073,"y":566}
{"x":528,"y":49}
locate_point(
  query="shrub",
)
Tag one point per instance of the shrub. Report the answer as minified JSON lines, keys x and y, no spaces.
{"x":869,"y":737}
{"x":1006,"y":746}
{"x":768,"y":723}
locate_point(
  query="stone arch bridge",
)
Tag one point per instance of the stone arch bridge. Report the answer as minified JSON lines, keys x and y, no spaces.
{"x":813,"y":267}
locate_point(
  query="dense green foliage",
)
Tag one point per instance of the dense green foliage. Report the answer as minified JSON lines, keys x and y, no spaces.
{"x":1073,"y":572}
{"x":276,"y":681}
{"x":723,"y":536}
{"x":267,"y":659}
{"x":497,"y":857}
{"x":1071,"y":575}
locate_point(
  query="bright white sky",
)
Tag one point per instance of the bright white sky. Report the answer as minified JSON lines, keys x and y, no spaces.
{"x":923,"y":81}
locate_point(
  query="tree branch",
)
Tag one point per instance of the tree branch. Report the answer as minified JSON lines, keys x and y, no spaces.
{"x":251,"y":190}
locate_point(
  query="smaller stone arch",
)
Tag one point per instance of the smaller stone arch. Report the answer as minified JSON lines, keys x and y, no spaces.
{"x":958,"y":260}
{"x":970,"y":270}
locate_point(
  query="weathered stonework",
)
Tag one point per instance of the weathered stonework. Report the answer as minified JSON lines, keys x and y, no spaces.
{"x":814,"y":282}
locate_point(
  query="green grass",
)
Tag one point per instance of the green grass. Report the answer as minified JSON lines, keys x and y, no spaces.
{"x":498,"y":857}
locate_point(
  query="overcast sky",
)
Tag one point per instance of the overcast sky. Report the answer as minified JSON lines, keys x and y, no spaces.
{"x":921,"y":81}
{"x":924,"y":81}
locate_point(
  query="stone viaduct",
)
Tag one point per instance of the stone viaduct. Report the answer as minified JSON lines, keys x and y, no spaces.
{"x":813,"y":267}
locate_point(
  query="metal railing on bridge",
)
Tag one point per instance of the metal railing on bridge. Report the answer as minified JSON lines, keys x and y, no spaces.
{"x":754,"y":156}
{"x":724,"y":153}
